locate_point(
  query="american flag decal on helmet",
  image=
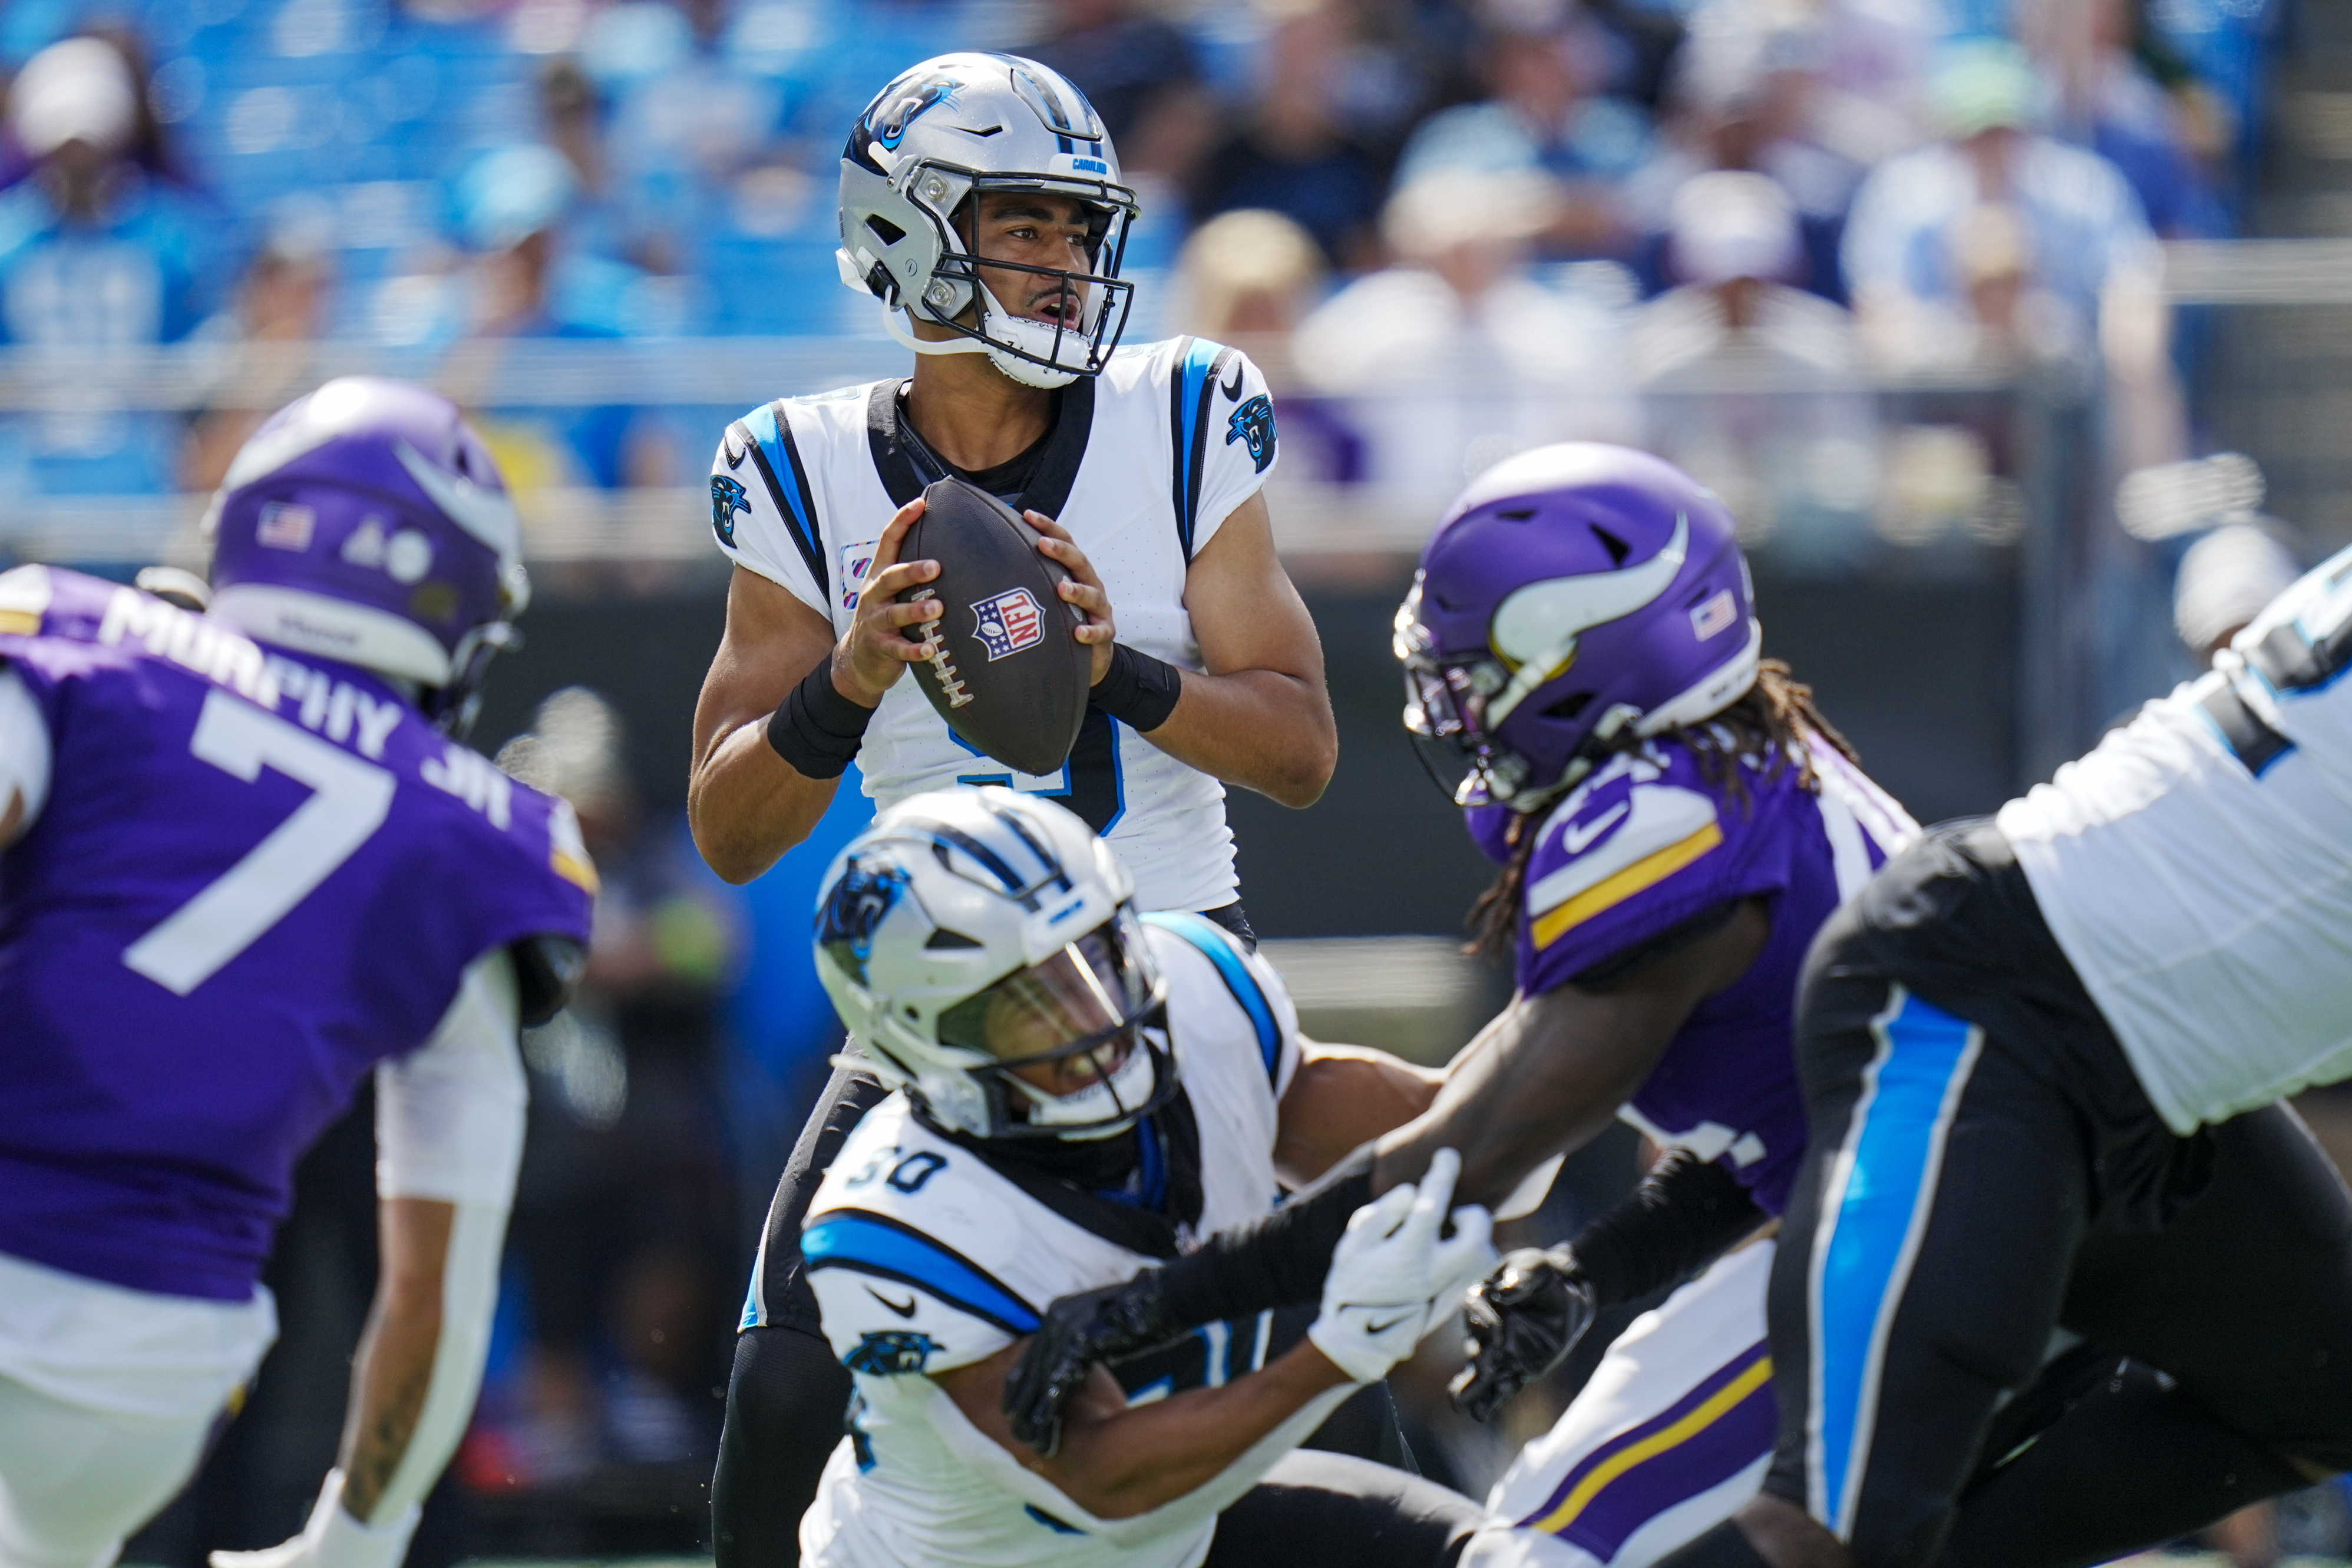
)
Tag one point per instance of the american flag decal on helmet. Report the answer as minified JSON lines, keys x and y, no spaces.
{"x":1008,"y":622}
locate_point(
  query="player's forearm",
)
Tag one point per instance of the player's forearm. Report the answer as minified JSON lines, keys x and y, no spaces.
{"x":747,"y":805}
{"x":393,"y":1370}
{"x":1519,"y":1097}
{"x":420,"y":1362}
{"x":1146,"y":1455}
{"x":1341,"y":1098}
{"x":1516,"y":1097}
{"x":1262,"y":729}
{"x":1687,"y":1213}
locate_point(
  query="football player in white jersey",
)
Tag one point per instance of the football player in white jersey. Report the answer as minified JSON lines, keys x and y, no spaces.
{"x":1079,"y":1092}
{"x":981,"y":206}
{"x":2043,"y":1056}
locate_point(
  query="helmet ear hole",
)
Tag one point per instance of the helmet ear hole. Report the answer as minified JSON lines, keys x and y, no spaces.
{"x":882,"y":229}
{"x":944,"y":939}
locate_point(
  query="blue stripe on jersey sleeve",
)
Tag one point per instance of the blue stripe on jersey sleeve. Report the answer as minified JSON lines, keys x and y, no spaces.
{"x":777,"y":458}
{"x":872,"y":1244}
{"x":1188,"y":392}
{"x":1218,"y":950}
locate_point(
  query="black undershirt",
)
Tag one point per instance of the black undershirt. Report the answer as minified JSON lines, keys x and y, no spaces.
{"x":1008,"y":481}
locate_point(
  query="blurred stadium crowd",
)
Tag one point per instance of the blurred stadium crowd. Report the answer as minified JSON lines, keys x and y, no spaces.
{"x":1451,"y":230}
{"x":1529,"y":211}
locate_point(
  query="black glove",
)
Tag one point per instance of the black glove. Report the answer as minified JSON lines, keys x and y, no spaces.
{"x":1524,"y":1319}
{"x":1079,"y":1333}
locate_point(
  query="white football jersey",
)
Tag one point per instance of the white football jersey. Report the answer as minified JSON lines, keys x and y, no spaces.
{"x":2197,"y":867}
{"x":924,"y":1258}
{"x":1143,"y":466}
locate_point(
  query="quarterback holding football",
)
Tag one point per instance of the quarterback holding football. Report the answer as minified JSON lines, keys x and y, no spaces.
{"x":981,"y":206}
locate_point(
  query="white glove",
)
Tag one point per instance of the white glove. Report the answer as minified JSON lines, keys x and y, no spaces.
{"x":1392,"y":1279}
{"x":333,"y":1538}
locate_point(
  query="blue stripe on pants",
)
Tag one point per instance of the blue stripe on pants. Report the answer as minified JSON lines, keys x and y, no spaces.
{"x":1875,"y":1210}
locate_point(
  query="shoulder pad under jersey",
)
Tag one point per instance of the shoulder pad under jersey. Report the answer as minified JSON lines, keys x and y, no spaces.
{"x":1642,"y":846}
{"x":906,"y":1247}
{"x":1222,"y":437}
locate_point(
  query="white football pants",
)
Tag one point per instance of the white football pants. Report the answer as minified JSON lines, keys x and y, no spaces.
{"x":1672,"y":1435}
{"x":75,"y":1481}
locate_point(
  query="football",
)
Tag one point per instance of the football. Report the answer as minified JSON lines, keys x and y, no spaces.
{"x":1005,"y":669}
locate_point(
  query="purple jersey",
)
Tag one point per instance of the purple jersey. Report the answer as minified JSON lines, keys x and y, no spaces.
{"x":256,"y":877}
{"x":1647,"y":843}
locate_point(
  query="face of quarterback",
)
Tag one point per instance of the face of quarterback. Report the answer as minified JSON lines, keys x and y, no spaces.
{"x":1034,"y":229}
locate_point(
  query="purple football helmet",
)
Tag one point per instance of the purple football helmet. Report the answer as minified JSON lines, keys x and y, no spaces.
{"x":1575,"y":598}
{"x":366,"y":523}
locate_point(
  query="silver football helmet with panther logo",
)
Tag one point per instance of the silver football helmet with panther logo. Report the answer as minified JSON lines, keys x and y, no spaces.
{"x":975,"y":941}
{"x":945,"y":131}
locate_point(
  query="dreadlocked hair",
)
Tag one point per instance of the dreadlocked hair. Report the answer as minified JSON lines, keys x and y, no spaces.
{"x":1767,"y":730}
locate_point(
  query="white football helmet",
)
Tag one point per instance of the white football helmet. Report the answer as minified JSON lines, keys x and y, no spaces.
{"x":944,"y":131}
{"x":969,"y":933}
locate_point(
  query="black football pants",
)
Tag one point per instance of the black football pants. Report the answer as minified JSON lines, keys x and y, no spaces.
{"x":1985,"y":1173}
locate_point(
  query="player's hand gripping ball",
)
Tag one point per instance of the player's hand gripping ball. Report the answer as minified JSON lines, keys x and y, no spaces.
{"x":1523,"y":1320}
{"x":1004,"y":667}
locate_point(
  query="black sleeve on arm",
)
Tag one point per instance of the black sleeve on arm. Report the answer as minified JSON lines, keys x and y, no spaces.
{"x":1276,"y":1262}
{"x":546,"y":969}
{"x":1687,"y":1212}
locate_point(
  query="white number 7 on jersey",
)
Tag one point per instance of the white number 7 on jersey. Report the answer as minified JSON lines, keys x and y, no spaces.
{"x":229,"y":917}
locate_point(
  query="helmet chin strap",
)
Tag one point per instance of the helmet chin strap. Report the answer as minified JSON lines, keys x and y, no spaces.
{"x":896,"y":321}
{"x":993,"y":317}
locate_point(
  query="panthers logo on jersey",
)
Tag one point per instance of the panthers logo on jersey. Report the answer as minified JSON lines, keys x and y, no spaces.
{"x":1254,"y":422}
{"x":893,"y":1352}
{"x":727,"y":498}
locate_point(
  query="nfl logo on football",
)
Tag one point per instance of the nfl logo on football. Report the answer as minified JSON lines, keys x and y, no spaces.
{"x":1008,"y":622}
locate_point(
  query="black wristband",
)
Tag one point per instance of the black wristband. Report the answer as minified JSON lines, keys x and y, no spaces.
{"x":817,"y":729}
{"x":1139,"y":690}
{"x":1276,"y":1262}
{"x":1684,"y":1213}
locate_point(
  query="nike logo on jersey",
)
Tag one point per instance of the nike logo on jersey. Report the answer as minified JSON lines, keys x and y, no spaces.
{"x":1233,"y":389}
{"x":1373,"y":1328}
{"x":1578,"y":837}
{"x":906,"y":1310}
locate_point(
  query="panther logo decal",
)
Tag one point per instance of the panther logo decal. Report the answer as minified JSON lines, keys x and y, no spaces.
{"x":1254,"y":422}
{"x":902,"y":103}
{"x":727,"y":498}
{"x":868,"y":891}
{"x":891,"y":1354}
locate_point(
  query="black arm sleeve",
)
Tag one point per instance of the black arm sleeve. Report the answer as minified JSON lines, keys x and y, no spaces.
{"x":546,"y":969}
{"x":1687,"y":1212}
{"x":1276,"y":1262}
